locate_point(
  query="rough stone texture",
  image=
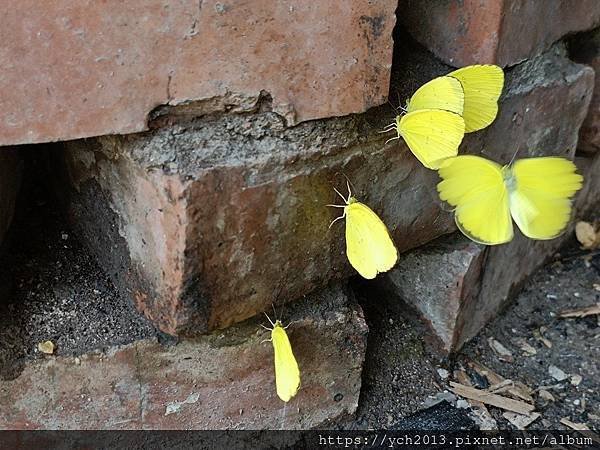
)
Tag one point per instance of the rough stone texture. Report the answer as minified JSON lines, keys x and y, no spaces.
{"x":77,"y":69}
{"x":207,"y":222}
{"x":10,"y":181}
{"x":585,"y":49}
{"x":504,"y":32}
{"x":441,"y":281}
{"x":222,"y":380}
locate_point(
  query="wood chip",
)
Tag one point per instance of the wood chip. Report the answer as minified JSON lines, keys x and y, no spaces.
{"x":588,"y":235}
{"x":46,"y":347}
{"x":538,"y":335}
{"x":545,"y":395}
{"x":503,"y":353}
{"x":528,"y":350}
{"x":492,"y":399}
{"x":521,"y":421}
{"x":581,"y":312}
{"x":487,"y":422}
{"x":517,"y":389}
{"x":574,"y":425}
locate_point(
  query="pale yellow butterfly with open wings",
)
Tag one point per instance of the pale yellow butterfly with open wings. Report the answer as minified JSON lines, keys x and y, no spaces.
{"x":534,"y":192}
{"x":369,"y":246}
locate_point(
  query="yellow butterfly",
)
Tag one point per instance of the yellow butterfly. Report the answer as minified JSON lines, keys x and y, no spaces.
{"x":535,"y":192}
{"x":369,"y":247}
{"x":287,"y":373}
{"x":432,"y":126}
{"x":482,"y":85}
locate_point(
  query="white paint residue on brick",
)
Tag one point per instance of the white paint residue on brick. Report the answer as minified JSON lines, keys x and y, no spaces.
{"x":174,"y":407}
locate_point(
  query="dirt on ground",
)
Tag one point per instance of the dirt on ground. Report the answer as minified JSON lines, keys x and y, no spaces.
{"x":557,"y":359}
{"x":54,"y":290}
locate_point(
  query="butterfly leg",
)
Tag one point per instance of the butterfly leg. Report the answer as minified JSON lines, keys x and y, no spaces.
{"x":336,"y":219}
{"x":391,"y":139}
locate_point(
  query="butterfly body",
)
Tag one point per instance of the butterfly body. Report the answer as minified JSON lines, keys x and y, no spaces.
{"x":287,"y":373}
{"x":369,"y":246}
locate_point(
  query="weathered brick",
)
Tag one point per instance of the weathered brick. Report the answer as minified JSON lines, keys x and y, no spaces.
{"x":206,"y":222}
{"x":73,"y":70}
{"x":504,"y":32}
{"x":441,"y":281}
{"x":227,"y":378}
{"x":585,"y":49}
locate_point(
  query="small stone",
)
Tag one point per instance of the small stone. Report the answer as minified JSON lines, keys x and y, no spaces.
{"x":576,"y":379}
{"x":551,"y":297}
{"x":545,"y":395}
{"x":439,"y":397}
{"x":557,"y":374}
{"x":443,"y":373}
{"x":462,"y":404}
{"x":77,"y":361}
{"x":46,"y":347}
{"x":576,"y":294}
{"x":576,"y":402}
{"x":64,"y":236}
{"x":503,"y":353}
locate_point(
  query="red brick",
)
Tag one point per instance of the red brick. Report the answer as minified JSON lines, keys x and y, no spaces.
{"x":504,"y":32}
{"x":441,"y":281}
{"x":458,"y":286}
{"x":73,"y":69}
{"x":227,"y":378}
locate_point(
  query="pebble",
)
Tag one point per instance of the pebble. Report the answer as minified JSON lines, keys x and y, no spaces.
{"x":557,"y":374}
{"x":443,"y":373}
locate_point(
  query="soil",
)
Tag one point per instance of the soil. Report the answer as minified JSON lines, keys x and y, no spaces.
{"x":403,"y":374}
{"x":54,"y":290}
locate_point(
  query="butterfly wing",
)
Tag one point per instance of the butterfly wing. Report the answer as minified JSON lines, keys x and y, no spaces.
{"x":287,"y":374}
{"x":440,"y":93}
{"x":482,"y":85}
{"x":475,"y":187}
{"x":369,"y":247}
{"x":540,"y":199}
{"x":432,"y":135}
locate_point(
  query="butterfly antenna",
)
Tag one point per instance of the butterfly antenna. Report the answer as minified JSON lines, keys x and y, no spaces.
{"x":269,"y":319}
{"x":274,"y":313}
{"x":338,"y":193}
{"x":348,"y":184}
{"x":513,"y":157}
